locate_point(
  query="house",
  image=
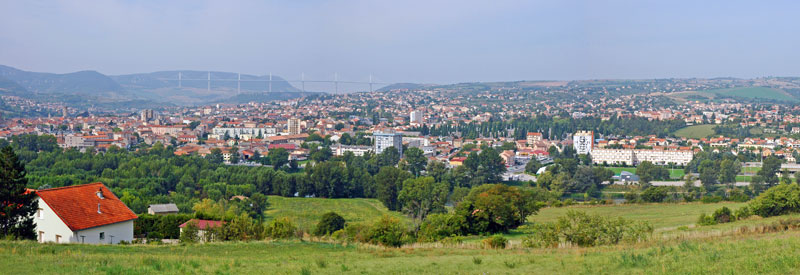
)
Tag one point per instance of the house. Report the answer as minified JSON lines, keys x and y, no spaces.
{"x":162,"y":209}
{"x":87,"y":213}
{"x":202,"y":226}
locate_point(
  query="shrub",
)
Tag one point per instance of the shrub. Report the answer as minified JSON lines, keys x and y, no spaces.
{"x":387,"y":231}
{"x":440,"y":226}
{"x":738,"y":195}
{"x":189,"y":234}
{"x":778,"y":200}
{"x":353,"y":232}
{"x":585,"y":230}
{"x":495,"y":242}
{"x":329,"y":223}
{"x":655,"y":194}
{"x":711,"y":199}
{"x":743,"y":213}
{"x":723,"y":215}
{"x":280,"y":228}
{"x":631,"y":197}
{"x":706,"y":220}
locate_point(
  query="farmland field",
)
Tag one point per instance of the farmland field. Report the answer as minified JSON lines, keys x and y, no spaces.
{"x":695,"y":131}
{"x":754,"y":92}
{"x":306,"y":212}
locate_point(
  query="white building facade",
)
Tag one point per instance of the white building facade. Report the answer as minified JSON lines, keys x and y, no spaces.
{"x":386,"y":140}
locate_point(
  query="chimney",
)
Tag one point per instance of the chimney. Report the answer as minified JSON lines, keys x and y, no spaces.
{"x":100,"y":194}
{"x":98,"y":209}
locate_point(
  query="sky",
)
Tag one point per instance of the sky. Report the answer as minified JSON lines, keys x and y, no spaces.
{"x":407,"y":41}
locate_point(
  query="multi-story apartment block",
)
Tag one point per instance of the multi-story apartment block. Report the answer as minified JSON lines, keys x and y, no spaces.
{"x":636,"y":156}
{"x":583,"y":141}
{"x":386,"y":140}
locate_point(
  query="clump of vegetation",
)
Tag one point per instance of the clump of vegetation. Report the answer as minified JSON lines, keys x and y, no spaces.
{"x":495,"y":242}
{"x":329,"y":223}
{"x":586,"y":230}
{"x":440,"y":226}
{"x":280,"y":228}
{"x":778,"y":200}
{"x":189,"y":234}
{"x":387,"y":231}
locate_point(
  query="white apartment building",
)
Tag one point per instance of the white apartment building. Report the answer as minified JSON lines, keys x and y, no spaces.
{"x":386,"y":140}
{"x":636,"y":156}
{"x":250,"y":131}
{"x":293,"y":126}
{"x":358,"y":150}
{"x":583,"y":141}
{"x":416,"y":117}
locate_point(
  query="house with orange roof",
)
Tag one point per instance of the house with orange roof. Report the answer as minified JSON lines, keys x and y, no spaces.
{"x":88,"y":213}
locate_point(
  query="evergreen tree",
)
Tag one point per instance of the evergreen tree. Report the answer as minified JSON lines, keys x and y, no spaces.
{"x":16,"y":207}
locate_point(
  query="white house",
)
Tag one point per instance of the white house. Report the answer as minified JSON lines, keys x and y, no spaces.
{"x":87,"y":213}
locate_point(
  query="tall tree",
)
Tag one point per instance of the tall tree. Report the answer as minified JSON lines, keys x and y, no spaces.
{"x":278,"y":157}
{"x":389,"y":181}
{"x":422,"y":196}
{"x":16,"y":207}
{"x":415,"y":160}
{"x":769,"y":170}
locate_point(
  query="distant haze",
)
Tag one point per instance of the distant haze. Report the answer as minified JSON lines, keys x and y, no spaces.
{"x":407,"y":41}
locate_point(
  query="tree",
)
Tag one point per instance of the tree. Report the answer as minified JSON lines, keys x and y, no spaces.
{"x":708,"y":174}
{"x":645,"y":171}
{"x":422,"y":196}
{"x":493,"y":208}
{"x":215,"y":156}
{"x":389,"y":181}
{"x":234,"y":155}
{"x":415,"y":160}
{"x":16,"y":206}
{"x":533,"y":165}
{"x":769,"y":170}
{"x":329,"y":223}
{"x":190,"y":233}
{"x":728,"y":169}
{"x":389,"y":157}
{"x":278,"y":157}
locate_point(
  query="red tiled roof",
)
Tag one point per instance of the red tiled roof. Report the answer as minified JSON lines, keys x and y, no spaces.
{"x":203,"y":224}
{"x":77,"y":205}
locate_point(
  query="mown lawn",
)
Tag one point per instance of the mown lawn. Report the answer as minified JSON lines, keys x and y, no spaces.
{"x":306,"y":212}
{"x":755,"y":92}
{"x":775,"y":253}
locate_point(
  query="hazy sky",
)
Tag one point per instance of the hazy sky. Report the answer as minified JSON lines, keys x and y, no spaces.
{"x":408,"y":41}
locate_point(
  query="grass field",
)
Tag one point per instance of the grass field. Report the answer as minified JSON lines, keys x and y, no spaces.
{"x":679,"y":247}
{"x":676,"y":174}
{"x":754,"y":92}
{"x":695,"y":131}
{"x":306,"y":212}
{"x":662,"y":216}
{"x":775,"y":253}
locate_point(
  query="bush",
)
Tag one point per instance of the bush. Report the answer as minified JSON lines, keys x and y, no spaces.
{"x":743,"y":213}
{"x":159,"y":226}
{"x":329,"y":223}
{"x":632,"y":197}
{"x":387,"y":231}
{"x":280,"y":228}
{"x":778,"y":200}
{"x":723,"y":215}
{"x":711,"y":199}
{"x":586,"y":230}
{"x":495,"y":242}
{"x":706,"y":220}
{"x":353,"y":232}
{"x":440,"y":226}
{"x":655,"y":194}
{"x":189,"y":234}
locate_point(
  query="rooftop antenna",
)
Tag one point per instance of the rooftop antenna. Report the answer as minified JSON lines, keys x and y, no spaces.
{"x":209,"y":81}
{"x":336,"y":82}
{"x":370,"y":83}
{"x":239,"y":84}
{"x":303,"y":81}
{"x":270,"y":82}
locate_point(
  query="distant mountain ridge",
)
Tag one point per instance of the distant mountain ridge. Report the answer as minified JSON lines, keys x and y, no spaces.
{"x":91,"y":88}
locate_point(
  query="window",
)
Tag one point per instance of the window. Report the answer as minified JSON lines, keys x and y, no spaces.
{"x":58,"y":238}
{"x":102,"y":235}
{"x":39,"y":214}
{"x":41,"y":236}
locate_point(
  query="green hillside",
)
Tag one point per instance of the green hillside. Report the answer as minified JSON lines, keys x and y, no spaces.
{"x":306,"y":212}
{"x":754,"y":92}
{"x":695,"y":131}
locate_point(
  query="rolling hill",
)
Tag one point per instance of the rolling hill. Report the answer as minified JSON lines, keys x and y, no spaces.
{"x":144,"y":90}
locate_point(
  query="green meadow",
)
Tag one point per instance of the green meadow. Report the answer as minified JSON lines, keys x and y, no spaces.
{"x":695,"y":131}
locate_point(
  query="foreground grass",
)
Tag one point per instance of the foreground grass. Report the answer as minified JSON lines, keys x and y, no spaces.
{"x":663,"y":216}
{"x":775,"y":253}
{"x":306,"y":212}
